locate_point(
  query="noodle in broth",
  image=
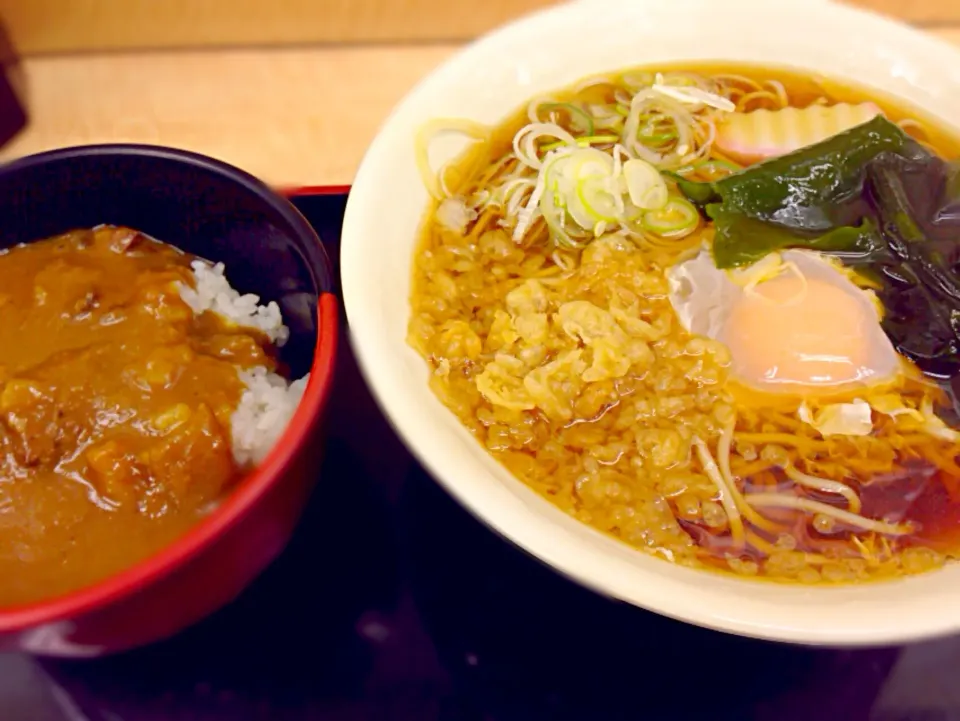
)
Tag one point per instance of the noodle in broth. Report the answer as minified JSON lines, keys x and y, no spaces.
{"x":543,"y":303}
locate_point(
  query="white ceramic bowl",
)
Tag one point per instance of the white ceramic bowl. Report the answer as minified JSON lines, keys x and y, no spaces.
{"x":487,"y":81}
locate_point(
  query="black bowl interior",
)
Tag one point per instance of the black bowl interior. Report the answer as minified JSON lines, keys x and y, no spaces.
{"x":197,"y":204}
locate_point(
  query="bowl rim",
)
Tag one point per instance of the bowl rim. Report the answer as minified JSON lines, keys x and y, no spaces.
{"x":529,"y":530}
{"x":241,"y":500}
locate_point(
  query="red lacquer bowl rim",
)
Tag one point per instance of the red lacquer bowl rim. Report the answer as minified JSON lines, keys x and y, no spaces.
{"x":241,"y":500}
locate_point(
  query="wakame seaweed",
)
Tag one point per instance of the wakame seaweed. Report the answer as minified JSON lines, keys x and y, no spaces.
{"x":876,"y":199}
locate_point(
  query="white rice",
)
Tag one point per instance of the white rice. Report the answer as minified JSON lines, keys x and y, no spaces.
{"x":214,"y":293}
{"x":265,"y":409}
{"x":269,"y":401}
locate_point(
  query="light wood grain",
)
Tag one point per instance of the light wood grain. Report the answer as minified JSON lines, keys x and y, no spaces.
{"x":48,"y":26}
{"x":291,"y":116}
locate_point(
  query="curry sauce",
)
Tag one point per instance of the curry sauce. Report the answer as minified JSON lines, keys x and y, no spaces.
{"x":115,"y":407}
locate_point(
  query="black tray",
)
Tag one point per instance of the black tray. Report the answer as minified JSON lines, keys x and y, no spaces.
{"x":393,"y":603}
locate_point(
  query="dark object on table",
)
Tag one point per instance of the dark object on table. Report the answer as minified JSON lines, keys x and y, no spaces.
{"x":13,"y":90}
{"x":220,"y":213}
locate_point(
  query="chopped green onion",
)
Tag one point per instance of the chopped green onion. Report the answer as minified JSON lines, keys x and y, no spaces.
{"x":657,"y":130}
{"x":596,"y":202}
{"x":714,"y":169}
{"x":657,"y":139}
{"x":585,"y":141}
{"x":568,"y":178}
{"x":678,"y":218}
{"x":649,"y":119}
{"x":645,"y":185}
{"x":575,"y":113}
{"x":597,"y":139}
{"x":587,"y":174}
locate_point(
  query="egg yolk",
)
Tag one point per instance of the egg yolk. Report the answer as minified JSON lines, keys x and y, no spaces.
{"x":799,"y":334}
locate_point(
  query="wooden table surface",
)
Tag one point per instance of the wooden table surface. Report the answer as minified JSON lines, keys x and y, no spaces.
{"x":294,"y":114}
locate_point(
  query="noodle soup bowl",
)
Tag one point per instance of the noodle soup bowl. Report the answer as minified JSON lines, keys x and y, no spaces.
{"x":493,"y":78}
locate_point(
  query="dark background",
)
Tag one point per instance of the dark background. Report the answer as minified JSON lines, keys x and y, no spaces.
{"x":394,"y":603}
